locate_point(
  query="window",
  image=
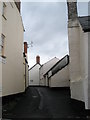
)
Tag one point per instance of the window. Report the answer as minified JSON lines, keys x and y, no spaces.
{"x":4,"y":10}
{"x":2,"y":45}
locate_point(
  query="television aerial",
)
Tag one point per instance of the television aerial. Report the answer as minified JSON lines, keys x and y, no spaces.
{"x":31,"y":44}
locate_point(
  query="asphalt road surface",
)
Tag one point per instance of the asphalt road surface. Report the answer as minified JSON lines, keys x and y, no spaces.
{"x":43,"y":102}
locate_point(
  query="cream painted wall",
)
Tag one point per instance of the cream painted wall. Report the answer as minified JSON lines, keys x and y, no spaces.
{"x":12,"y":70}
{"x":34,"y":78}
{"x":76,"y":84}
{"x":45,"y":68}
{"x":0,"y":18}
{"x":0,"y":58}
{"x":60,"y":79}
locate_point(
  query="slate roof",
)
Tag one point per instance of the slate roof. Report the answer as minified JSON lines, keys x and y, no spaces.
{"x":85,"y":23}
{"x":49,"y":61}
{"x":59,"y":65}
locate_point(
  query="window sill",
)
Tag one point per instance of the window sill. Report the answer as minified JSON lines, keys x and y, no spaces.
{"x":4,"y":17}
{"x":3,"y":56}
{"x":2,"y":59}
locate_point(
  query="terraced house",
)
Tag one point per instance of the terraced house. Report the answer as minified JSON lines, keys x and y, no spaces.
{"x":79,"y":68}
{"x":12,"y":78}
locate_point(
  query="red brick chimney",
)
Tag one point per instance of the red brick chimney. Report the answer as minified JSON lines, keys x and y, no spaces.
{"x":25,"y":47}
{"x":38,"y":59}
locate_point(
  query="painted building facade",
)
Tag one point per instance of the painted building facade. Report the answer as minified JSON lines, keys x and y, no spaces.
{"x":43,"y":70}
{"x":0,"y":57}
{"x":58,"y":75}
{"x":78,"y":51}
{"x":11,"y":49}
{"x":60,"y":79}
{"x":34,"y":76}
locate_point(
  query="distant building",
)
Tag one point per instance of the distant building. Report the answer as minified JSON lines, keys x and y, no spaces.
{"x":44,"y":68}
{"x":58,"y":75}
{"x":11,"y":49}
{"x":26,"y":66}
{"x":78,"y":36}
{"x":34,"y":78}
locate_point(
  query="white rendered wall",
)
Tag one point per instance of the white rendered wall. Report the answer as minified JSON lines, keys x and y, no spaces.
{"x":45,"y":68}
{"x":78,"y":48}
{"x":27,"y":76}
{"x":34,"y":76}
{"x":84,"y":63}
{"x":76,"y":84}
{"x":60,"y":79}
{"x":12,"y":70}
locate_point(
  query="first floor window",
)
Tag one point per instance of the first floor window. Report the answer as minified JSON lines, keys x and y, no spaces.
{"x":3,"y":9}
{"x":2,"y":45}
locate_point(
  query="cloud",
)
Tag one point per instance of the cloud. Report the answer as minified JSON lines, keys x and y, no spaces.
{"x":46,"y":25}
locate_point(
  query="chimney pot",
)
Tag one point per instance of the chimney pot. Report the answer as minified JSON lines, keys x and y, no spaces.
{"x":25,"y":47}
{"x":38,"y":59}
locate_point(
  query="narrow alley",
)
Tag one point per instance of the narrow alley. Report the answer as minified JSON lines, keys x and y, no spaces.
{"x":43,"y":102}
{"x":44,"y":60}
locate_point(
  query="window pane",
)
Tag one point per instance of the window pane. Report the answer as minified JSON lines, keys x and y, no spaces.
{"x":0,"y":50}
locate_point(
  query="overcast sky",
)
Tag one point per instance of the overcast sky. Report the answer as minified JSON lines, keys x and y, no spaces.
{"x":46,"y":25}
